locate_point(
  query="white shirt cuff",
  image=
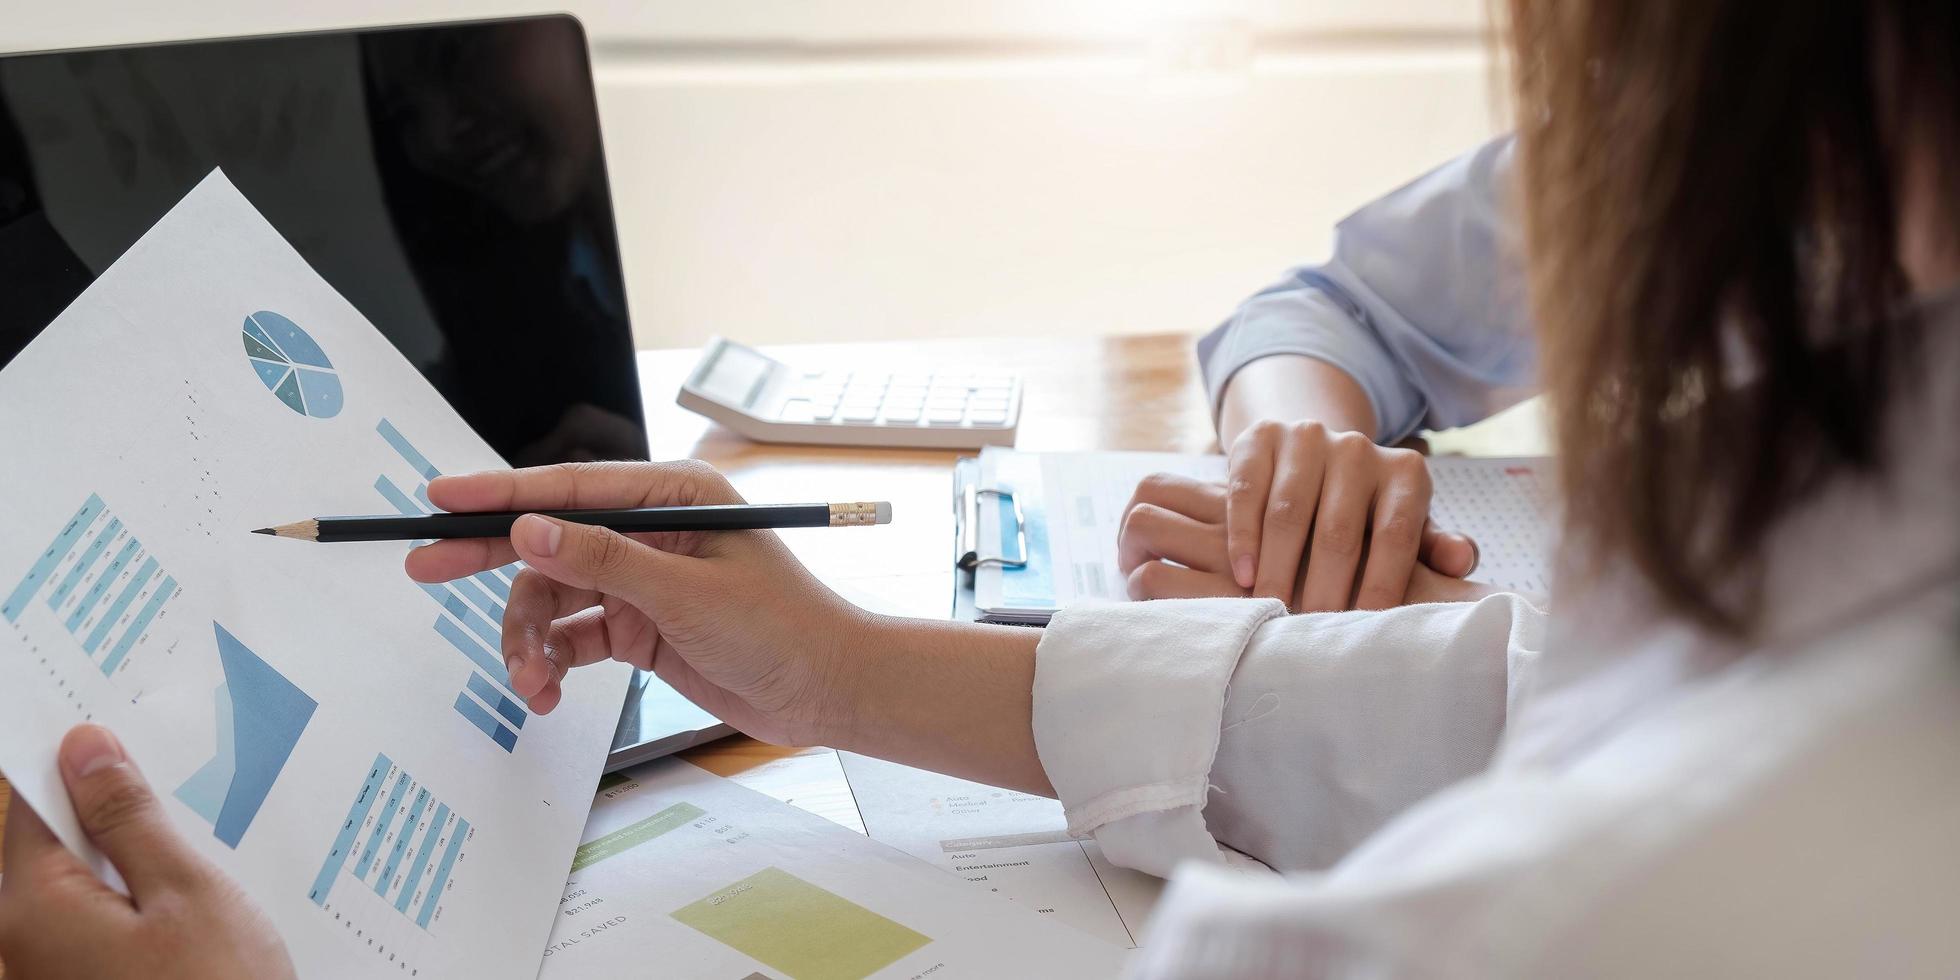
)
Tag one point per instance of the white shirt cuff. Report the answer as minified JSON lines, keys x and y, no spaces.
{"x":1128,"y":703}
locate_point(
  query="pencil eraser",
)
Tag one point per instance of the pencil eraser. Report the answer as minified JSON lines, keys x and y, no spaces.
{"x":884,"y":512}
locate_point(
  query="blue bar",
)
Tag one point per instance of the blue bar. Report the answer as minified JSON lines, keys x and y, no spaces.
{"x":408,"y":452}
{"x":84,"y":563}
{"x":422,"y":495}
{"x":397,"y":497}
{"x":58,"y":549}
{"x":497,"y":586}
{"x":456,"y":607}
{"x":356,"y":815}
{"x":401,"y":842}
{"x":422,"y":858}
{"x":481,"y":719}
{"x":102,"y":582}
{"x":442,"y":873}
{"x":470,"y":648}
{"x":157,"y":599}
{"x":481,"y":599}
{"x":496,"y":700}
{"x":120,"y":606}
{"x":381,"y":830}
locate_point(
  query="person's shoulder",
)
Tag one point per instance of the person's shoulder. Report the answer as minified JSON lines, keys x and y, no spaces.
{"x":1791,"y":816}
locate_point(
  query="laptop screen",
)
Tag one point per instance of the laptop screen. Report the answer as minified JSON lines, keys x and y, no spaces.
{"x":448,"y":180}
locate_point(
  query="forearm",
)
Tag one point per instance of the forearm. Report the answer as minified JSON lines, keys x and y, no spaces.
{"x":953,"y":697}
{"x":1293,"y":388}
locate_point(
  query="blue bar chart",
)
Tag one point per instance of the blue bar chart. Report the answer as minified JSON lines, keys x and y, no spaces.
{"x":100,"y":583}
{"x":471,"y":615}
{"x":398,"y":842}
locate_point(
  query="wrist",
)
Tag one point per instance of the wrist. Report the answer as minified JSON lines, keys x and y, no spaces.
{"x":844,"y":676}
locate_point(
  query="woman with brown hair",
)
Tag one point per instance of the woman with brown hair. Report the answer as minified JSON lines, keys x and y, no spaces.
{"x":1729,"y":749}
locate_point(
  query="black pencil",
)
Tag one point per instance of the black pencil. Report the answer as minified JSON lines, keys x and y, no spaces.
{"x":718,"y":517}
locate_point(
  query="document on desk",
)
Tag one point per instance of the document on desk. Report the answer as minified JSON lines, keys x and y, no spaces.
{"x":1071,"y":508}
{"x":687,"y":874}
{"x":340,"y":740}
{"x":1015,"y":845}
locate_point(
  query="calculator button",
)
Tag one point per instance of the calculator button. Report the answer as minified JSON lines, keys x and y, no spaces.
{"x":990,"y":418}
{"x":838,"y":378}
{"x":994,"y":391}
{"x":946,"y":416}
{"x":797,"y":410}
{"x":918,"y":379}
{"x":982,"y":403}
{"x":907,"y":414}
{"x":994,"y":380}
{"x":916,"y":392}
{"x":860,"y":413}
{"x":823,"y":413}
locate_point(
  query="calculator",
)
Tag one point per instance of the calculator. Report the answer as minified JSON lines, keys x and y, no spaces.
{"x":769,"y":401}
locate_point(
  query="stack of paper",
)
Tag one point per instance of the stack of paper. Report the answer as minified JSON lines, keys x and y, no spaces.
{"x":686,"y":874}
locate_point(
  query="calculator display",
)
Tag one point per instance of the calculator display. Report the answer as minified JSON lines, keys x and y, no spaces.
{"x":735,"y":376}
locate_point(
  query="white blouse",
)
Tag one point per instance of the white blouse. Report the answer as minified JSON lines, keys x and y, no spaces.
{"x":1483,"y":789}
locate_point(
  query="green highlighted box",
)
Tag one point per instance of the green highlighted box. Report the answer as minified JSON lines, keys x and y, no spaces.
{"x":626,"y":838}
{"x":796,"y":927}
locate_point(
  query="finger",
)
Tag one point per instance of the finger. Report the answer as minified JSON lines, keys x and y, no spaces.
{"x":1394,"y":535}
{"x":457,"y":557}
{"x":592,"y":636}
{"x":1250,"y":483}
{"x":583,"y":485}
{"x":535,"y":605}
{"x":1452,"y":554}
{"x":1290,"y":508}
{"x":1340,"y":528}
{"x":121,"y":816}
{"x":588,"y":557}
{"x":1192,"y":497}
{"x":1150,"y":531}
{"x":1162,"y":580}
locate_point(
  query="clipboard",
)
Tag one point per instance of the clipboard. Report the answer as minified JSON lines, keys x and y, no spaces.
{"x":969,"y":553}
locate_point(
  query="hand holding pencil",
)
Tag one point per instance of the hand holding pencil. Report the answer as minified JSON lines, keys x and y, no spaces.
{"x":730,"y":619}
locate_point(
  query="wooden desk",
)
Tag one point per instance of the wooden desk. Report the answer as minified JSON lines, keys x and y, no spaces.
{"x":1116,"y":393}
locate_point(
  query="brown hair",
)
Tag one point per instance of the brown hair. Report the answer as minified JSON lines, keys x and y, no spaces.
{"x":1710,"y":197}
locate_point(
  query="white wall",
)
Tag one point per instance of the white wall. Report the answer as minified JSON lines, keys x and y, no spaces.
{"x":823,"y":169}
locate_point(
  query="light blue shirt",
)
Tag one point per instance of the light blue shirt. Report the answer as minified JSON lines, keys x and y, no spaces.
{"x":1422,"y":303}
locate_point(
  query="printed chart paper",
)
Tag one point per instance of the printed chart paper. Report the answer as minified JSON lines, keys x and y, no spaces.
{"x":1010,"y":844}
{"x":341,"y":740}
{"x":687,"y":874}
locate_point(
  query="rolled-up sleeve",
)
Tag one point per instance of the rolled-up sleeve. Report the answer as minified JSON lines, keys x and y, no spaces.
{"x":1170,"y":727}
{"x":1422,"y":303}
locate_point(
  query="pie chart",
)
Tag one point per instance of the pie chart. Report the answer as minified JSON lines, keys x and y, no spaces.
{"x":292,"y":366}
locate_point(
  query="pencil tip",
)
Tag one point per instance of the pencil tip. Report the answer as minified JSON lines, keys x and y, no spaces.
{"x":264,"y":530}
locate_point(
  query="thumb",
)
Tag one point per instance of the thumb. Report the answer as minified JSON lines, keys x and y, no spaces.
{"x":584,"y":556}
{"x":119,"y":812}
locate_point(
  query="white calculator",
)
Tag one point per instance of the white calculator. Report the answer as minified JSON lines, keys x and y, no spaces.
{"x":770,"y":401}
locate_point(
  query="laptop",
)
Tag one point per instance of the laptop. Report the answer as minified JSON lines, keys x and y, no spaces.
{"x":448,"y":179}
